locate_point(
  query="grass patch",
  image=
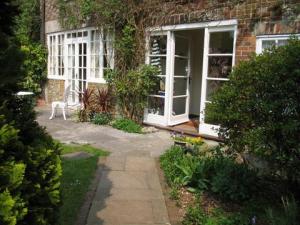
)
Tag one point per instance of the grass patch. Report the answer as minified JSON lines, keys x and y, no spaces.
{"x":76,"y":179}
{"x":82,"y":148}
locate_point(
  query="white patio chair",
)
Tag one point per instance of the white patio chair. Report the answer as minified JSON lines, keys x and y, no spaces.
{"x":61,"y":104}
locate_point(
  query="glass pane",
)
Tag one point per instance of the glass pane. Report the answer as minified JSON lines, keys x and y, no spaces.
{"x":219,"y":66}
{"x":181,"y":67}
{"x":80,"y":73}
{"x":97,"y":75}
{"x":282,"y":42}
{"x":180,"y":86}
{"x":160,"y":62}
{"x":84,"y":74}
{"x":268,"y":44}
{"x":84,"y":48}
{"x":84,"y":61}
{"x":212,"y":87}
{"x":181,"y":46}
{"x":92,"y":72}
{"x":158,"y":45}
{"x":80,"y":49}
{"x":160,"y":86}
{"x":221,"y":42}
{"x":156,"y":105}
{"x":179,"y":106}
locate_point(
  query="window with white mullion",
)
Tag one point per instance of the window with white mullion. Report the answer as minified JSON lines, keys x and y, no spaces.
{"x":267,"y":41}
{"x":219,"y":60}
{"x":219,"y":54}
{"x":157,"y":57}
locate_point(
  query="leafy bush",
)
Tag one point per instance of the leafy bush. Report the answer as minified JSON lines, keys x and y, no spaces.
{"x":289,"y":215}
{"x":103,"y":101}
{"x":196,"y":216}
{"x":217,"y":174}
{"x":233,"y":181}
{"x":127,"y":125}
{"x":258,"y":109}
{"x":95,"y":102}
{"x":168,"y":163}
{"x":30,"y":166}
{"x":101,"y":118}
{"x":27,"y":30}
{"x":132,"y":89}
{"x":35,"y":67}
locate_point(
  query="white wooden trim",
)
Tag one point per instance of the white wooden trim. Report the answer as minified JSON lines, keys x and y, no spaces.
{"x":275,"y":37}
{"x":205,"y":128}
{"x":191,"y":26}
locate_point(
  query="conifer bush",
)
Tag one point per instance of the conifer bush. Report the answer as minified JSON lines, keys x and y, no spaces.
{"x":30,"y":166}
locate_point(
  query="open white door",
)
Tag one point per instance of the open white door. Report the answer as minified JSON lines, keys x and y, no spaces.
{"x":179,"y":79}
{"x":158,"y":49}
{"x":219,"y":57}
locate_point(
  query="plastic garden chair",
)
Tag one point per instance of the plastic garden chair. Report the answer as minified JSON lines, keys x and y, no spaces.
{"x":61,"y":104}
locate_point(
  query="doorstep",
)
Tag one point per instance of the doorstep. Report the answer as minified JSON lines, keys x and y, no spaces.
{"x":186,"y":132}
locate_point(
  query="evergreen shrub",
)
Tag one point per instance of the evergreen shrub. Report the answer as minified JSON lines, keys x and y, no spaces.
{"x":259,"y":109}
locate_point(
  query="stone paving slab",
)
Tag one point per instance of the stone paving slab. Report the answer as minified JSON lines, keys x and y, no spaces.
{"x":129,"y":196}
{"x":128,"y":191}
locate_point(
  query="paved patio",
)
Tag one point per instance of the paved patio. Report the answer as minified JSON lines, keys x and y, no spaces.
{"x":129,"y":191}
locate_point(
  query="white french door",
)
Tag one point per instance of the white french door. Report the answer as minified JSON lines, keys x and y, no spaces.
{"x":219,"y":58}
{"x":77,"y":68}
{"x":171,"y":54}
{"x":179,"y":79}
{"x":158,"y":49}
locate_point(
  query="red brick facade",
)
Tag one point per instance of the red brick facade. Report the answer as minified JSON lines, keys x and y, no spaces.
{"x":255,"y":17}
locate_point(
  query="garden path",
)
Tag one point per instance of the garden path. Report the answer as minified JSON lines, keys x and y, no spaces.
{"x":129,"y":190}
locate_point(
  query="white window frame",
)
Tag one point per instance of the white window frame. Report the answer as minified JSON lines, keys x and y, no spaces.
{"x":64,"y":34}
{"x":276,"y":38}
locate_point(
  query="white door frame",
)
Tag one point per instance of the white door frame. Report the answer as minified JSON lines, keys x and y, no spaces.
{"x":181,"y":118}
{"x":223,"y":25}
{"x":68,"y":81}
{"x":205,"y":128}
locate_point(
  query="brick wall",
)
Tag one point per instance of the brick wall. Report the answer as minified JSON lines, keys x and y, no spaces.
{"x":255,"y":17}
{"x":54,"y":90}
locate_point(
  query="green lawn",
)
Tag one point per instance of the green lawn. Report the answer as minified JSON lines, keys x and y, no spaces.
{"x":76,"y":178}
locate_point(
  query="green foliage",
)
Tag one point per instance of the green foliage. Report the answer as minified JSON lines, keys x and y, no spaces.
{"x":132,"y":90}
{"x":35,"y":67}
{"x":196,"y":216}
{"x":127,"y":125}
{"x":168,"y":163}
{"x":233,"y":181}
{"x":217,"y":174}
{"x":125,"y":47}
{"x":289,"y":215}
{"x":27,"y":30}
{"x":259,"y":109}
{"x":74,"y":14}
{"x":83,"y":148}
{"x":29,"y":159}
{"x":76,"y":178}
{"x":101,"y":118}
